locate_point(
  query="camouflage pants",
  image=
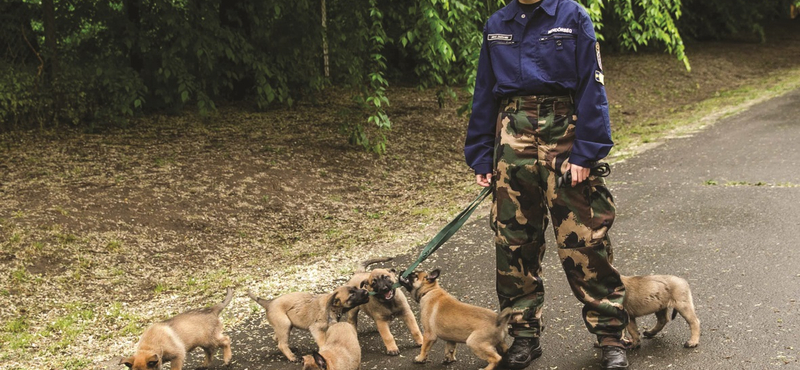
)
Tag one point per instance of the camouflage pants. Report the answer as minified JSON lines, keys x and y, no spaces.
{"x":532,"y":146}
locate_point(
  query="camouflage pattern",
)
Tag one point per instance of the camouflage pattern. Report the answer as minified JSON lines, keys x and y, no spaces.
{"x":532,"y":146}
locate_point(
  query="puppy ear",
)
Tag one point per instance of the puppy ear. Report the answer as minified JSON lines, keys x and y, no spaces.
{"x":334,"y":302}
{"x":363,"y":284}
{"x":126,"y":361}
{"x":320,"y":361}
{"x":334,"y":309}
{"x":433,"y":275}
{"x":393,"y":271}
{"x":308,"y":362}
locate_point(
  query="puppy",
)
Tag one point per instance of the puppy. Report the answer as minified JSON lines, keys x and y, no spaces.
{"x":649,"y":294}
{"x":171,"y":339}
{"x":340,"y":352}
{"x":386,"y":303}
{"x":443,"y":316}
{"x":309,"y":312}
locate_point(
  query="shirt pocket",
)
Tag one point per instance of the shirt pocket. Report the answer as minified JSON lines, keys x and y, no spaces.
{"x":505,"y":57}
{"x":557,"y":57}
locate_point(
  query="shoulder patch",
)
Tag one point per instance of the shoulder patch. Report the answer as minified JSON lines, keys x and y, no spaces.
{"x":599,"y":77}
{"x":597,"y":49}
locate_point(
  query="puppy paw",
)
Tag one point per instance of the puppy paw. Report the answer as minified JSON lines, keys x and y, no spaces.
{"x":448,"y":361}
{"x":625,"y":342}
{"x":690,"y":344}
{"x":420,"y":360}
{"x":393,"y":352}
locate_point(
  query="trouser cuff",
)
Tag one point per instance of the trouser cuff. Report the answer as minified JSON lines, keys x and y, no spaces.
{"x":530,"y":329}
{"x":611,"y":340}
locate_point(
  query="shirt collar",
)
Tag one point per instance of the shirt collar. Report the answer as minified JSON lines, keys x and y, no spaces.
{"x":513,"y":9}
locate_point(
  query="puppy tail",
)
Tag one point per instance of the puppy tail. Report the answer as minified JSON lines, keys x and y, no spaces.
{"x":504,"y":317}
{"x":362,"y":267}
{"x":261,"y":301}
{"x":217,"y":308}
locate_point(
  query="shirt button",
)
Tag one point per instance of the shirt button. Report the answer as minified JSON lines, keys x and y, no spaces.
{"x":523,"y":16}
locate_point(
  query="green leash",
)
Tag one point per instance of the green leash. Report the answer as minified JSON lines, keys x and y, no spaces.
{"x":444,"y":234}
{"x":447,"y":231}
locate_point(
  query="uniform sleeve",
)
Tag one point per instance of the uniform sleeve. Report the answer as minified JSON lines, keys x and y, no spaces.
{"x":593,"y":128}
{"x":479,"y":144}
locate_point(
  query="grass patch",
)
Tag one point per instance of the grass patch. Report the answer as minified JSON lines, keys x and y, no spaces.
{"x":631,"y":135}
{"x":114,"y":246}
{"x":17,"y":325}
{"x":77,"y":363}
{"x":67,"y":327}
{"x":16,"y":341}
{"x":121,"y":320}
{"x":422,"y":212}
{"x":20,"y":276}
{"x":160,"y":288}
{"x":66,"y":238}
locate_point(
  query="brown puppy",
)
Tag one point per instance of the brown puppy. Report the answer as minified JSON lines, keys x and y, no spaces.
{"x":309,"y":312}
{"x":443,"y":316}
{"x":340,"y":352}
{"x":648,"y":294}
{"x":171,"y":339}
{"x":387,"y":303}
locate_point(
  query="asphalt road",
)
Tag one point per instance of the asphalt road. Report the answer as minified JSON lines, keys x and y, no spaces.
{"x":719,"y":209}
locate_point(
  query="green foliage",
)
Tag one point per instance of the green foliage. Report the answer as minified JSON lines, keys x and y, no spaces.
{"x":716,"y":19}
{"x":123,"y":58}
{"x":641,"y":22}
{"x":374,"y":96}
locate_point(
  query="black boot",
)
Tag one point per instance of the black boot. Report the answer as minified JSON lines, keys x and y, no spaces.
{"x":614,"y":358}
{"x":522,"y":352}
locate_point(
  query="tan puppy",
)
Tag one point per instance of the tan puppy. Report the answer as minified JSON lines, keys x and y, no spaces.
{"x":387,"y":303}
{"x":340,"y":352}
{"x":648,"y":294}
{"x":308,"y":312}
{"x":443,"y":316}
{"x":171,"y":339}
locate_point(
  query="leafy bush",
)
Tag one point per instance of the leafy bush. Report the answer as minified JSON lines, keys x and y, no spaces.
{"x":114,"y":59}
{"x":724,"y":18}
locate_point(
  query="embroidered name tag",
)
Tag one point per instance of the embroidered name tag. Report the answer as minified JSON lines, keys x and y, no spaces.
{"x":499,"y":37}
{"x":559,"y":29}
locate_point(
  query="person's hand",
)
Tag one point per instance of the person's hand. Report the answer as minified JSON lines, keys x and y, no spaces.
{"x":484,"y":180}
{"x":578,"y":173}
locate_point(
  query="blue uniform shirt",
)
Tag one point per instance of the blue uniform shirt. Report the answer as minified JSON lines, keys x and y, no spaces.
{"x":550,"y":52}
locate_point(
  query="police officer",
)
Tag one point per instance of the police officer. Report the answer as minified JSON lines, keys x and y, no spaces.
{"x":540,"y":110}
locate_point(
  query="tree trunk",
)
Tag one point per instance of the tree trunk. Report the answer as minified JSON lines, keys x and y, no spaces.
{"x":132,"y":8}
{"x":325,"y":40}
{"x":50,"y":38}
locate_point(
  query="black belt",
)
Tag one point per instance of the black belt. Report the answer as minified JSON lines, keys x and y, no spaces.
{"x":531,"y":101}
{"x":539,"y":99}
